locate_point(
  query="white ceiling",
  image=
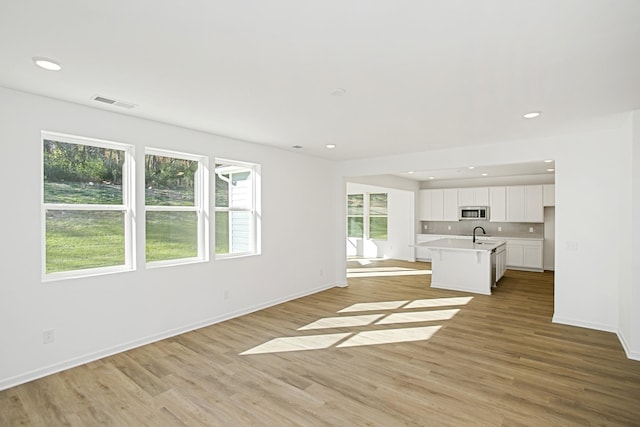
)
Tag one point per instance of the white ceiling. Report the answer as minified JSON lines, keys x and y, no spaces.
{"x":418,"y":74}
{"x":471,"y":172}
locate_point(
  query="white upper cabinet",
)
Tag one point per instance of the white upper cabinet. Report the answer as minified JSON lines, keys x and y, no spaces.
{"x":524,"y":203}
{"x":520,"y":203}
{"x":451,"y":204}
{"x":549,"y":194}
{"x":473,"y":196}
{"x":437,"y":205}
{"x":424,"y":205}
{"x":431,"y":205}
{"x":498,"y":204}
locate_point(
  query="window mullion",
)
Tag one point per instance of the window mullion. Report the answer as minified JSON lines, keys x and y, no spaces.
{"x":83,"y":207}
{"x":160,"y":208}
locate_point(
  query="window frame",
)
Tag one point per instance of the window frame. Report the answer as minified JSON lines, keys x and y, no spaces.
{"x":253,"y":210}
{"x":127,"y":207}
{"x":200,"y":206}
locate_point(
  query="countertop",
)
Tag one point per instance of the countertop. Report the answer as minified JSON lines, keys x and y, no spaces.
{"x":462,"y":244}
{"x":482,"y":237}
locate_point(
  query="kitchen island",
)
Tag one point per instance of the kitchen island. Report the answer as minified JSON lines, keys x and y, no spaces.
{"x":462,"y":265}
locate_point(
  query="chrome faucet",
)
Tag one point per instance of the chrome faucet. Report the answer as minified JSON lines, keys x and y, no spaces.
{"x":474,"y":232}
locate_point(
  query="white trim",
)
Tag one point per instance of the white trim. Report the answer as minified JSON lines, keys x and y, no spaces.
{"x":157,"y":208}
{"x":172,"y":262}
{"x":87,"y":272}
{"x":175,"y":154}
{"x":634,"y":355}
{"x":583,"y":324}
{"x":83,"y":207}
{"x":84,"y":140}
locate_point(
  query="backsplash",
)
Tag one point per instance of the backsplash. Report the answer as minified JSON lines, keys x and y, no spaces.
{"x":464,"y":228}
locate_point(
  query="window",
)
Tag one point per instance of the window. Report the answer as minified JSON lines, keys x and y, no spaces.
{"x":87,"y":214}
{"x":355,"y":215}
{"x":236,"y":201}
{"x":176,"y":213}
{"x":367,"y":216}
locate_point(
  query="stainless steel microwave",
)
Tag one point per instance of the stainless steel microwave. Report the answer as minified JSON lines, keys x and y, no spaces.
{"x":477,"y":213}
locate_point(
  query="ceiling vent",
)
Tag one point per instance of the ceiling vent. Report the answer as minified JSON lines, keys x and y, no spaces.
{"x":115,"y":102}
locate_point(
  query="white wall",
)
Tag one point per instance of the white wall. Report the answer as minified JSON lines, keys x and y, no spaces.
{"x":633,"y":303}
{"x":549,"y":248}
{"x":96,"y":316}
{"x":400,"y":225}
{"x":591,"y":169}
{"x":629,"y":329}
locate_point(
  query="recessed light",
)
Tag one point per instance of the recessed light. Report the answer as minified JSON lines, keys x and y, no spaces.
{"x":485,"y":174}
{"x":550,"y":170}
{"x":47,"y":64}
{"x":338,"y":92}
{"x":432,"y":177}
{"x":330,"y":146}
{"x":548,"y":161}
{"x":471,"y":167}
{"x":531,"y":115}
{"x":411,"y":172}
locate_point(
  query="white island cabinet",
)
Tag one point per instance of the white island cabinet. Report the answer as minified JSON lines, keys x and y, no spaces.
{"x":461,"y":265}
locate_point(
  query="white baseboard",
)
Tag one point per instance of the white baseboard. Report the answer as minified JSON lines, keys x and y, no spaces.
{"x":90,"y":357}
{"x":634,"y":355}
{"x":583,"y":324}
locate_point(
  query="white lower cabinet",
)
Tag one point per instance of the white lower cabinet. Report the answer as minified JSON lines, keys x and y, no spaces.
{"x":521,"y":254}
{"x":501,"y":263}
{"x":525,"y":254}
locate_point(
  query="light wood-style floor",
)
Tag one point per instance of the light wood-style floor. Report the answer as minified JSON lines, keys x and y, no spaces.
{"x":425,"y":358}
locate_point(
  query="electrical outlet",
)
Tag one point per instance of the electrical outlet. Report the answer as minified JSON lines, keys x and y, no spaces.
{"x":426,"y":227}
{"x":321,"y":272}
{"x":48,"y":336}
{"x":530,"y":229}
{"x":448,"y":227}
{"x":226,"y":294}
{"x":499,"y":228}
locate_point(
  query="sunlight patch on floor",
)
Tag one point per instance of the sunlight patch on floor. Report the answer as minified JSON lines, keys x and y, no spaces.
{"x":364,"y":261}
{"x":384,"y":271}
{"x":378,"y":269}
{"x":438,"y":302}
{"x":418,"y":316}
{"x":308,"y":342}
{"x":388,"y":336}
{"x":342,"y":321}
{"x":375,"y":335}
{"x":371,"y":306}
